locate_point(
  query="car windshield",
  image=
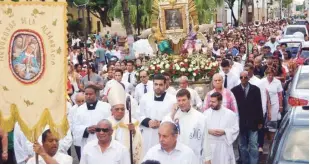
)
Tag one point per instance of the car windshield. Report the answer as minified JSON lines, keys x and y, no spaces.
{"x":296,"y":147}
{"x":292,"y":30}
{"x":304,"y":53}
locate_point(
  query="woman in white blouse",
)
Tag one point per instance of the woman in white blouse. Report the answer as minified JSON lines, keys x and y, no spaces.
{"x":274,"y":90}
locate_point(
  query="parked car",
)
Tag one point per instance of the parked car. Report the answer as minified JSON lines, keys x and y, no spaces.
{"x":290,"y":30}
{"x":303,"y":53}
{"x":293,"y":44}
{"x":291,"y":142}
{"x":298,"y":90}
{"x":300,"y":22}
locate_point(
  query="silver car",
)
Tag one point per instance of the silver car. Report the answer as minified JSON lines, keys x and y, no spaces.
{"x":298,"y":90}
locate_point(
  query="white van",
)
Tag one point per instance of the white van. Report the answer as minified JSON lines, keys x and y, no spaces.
{"x":289,"y":30}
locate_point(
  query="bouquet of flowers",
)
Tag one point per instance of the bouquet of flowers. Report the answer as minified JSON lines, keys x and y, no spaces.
{"x":195,"y":67}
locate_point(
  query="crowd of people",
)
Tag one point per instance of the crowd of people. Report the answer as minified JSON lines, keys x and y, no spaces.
{"x":167,"y":125}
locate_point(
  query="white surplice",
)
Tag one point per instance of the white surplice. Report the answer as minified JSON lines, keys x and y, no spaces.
{"x":85,"y":118}
{"x":191,"y":129}
{"x":155,"y":110}
{"x":221,"y":146}
{"x":121,"y":134}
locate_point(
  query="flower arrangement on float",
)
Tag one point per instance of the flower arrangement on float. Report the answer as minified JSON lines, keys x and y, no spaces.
{"x":195,"y":67}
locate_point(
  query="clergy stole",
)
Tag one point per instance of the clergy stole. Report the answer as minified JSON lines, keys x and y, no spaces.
{"x":221,"y":146}
{"x":121,"y":134}
{"x":154,"y":110}
{"x":85,"y":118}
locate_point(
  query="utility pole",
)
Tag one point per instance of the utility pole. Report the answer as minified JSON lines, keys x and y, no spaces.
{"x":281,"y":9}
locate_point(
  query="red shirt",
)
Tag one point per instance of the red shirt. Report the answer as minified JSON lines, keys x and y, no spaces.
{"x":69,"y":86}
{"x":259,"y":38}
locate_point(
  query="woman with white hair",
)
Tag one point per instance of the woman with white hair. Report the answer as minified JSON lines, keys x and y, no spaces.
{"x":229,"y":100}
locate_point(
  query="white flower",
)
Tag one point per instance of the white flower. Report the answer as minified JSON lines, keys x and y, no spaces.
{"x":175,"y":61}
{"x":190,"y":69}
{"x":162,"y":71}
{"x":152,"y":67}
{"x":181,"y":63}
{"x":146,"y":69}
{"x":185,"y":60}
{"x":183,"y":69}
{"x":154,"y":62}
{"x":191,"y":65}
{"x":194,"y":74}
{"x":177,"y":68}
{"x":167,"y":66}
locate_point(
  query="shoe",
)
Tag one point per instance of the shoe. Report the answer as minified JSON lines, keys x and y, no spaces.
{"x":260,"y":149}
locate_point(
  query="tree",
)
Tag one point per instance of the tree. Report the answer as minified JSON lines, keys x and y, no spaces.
{"x":230,"y":4}
{"x":74,"y":26}
{"x":126,"y":16}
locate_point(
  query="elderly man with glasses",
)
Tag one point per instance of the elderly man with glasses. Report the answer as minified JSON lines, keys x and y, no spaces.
{"x":144,"y":87}
{"x":250,"y":110}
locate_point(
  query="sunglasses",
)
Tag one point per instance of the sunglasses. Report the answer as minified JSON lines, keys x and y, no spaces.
{"x":102,"y":129}
{"x":243,"y":77}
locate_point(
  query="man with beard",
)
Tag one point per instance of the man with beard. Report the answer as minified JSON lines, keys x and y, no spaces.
{"x":154,"y":106}
{"x":222,"y":129}
{"x":48,"y":153}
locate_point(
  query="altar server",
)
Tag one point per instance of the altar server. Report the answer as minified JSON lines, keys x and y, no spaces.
{"x":222,"y":129}
{"x":154,"y":106}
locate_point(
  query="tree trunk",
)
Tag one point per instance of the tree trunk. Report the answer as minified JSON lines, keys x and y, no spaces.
{"x":104,"y":18}
{"x":234,"y":17}
{"x":241,"y":9}
{"x":126,"y":16}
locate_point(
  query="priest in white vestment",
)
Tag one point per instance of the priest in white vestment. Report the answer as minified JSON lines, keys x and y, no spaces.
{"x":223,"y":129}
{"x":88,"y":115}
{"x":120,"y":122}
{"x":191,"y":123}
{"x":154,"y":106}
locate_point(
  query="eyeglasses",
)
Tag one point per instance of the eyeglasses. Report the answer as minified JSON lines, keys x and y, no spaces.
{"x":102,"y":129}
{"x":243,"y":77}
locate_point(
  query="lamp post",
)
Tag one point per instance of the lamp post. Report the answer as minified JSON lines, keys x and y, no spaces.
{"x":257,"y":10}
{"x":247,"y":26}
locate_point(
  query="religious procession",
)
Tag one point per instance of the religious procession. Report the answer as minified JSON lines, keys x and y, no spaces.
{"x":204,"y":82}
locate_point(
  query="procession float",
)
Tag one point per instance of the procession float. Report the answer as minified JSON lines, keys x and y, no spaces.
{"x":179,"y":47}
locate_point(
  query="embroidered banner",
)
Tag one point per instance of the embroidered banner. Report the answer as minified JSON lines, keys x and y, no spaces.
{"x":33,"y":51}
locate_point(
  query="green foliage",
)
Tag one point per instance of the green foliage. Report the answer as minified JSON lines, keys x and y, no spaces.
{"x":286,"y":3}
{"x":74,"y":26}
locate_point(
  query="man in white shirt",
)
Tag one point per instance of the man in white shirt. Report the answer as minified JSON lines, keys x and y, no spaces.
{"x":104,"y":149}
{"x":154,"y":106}
{"x":130,"y":74}
{"x":120,"y":122}
{"x":195,"y":98}
{"x":169,"y":88}
{"x":272,"y":43}
{"x":79,"y":99}
{"x":88,"y":115}
{"x":23,"y":147}
{"x":170,"y":151}
{"x":48,"y":152}
{"x":230,"y":78}
{"x":191,"y":123}
{"x":118,"y":76}
{"x":222,"y":130}
{"x":117,"y":52}
{"x":144,"y":87}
